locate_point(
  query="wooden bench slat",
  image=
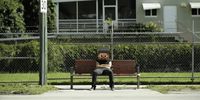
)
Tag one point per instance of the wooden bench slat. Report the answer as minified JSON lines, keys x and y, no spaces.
{"x":123,"y":66}
{"x":84,"y":66}
{"x":118,"y":66}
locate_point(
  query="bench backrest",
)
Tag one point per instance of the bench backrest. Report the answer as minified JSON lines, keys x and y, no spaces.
{"x":84,"y":66}
{"x":119,"y":66}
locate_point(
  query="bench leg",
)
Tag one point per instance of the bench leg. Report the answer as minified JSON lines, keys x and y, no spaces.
{"x":138,"y":76}
{"x":71,"y":81}
{"x":71,"y":78}
{"x":138,"y":81}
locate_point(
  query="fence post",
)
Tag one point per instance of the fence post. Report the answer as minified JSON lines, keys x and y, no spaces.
{"x":112,"y":32}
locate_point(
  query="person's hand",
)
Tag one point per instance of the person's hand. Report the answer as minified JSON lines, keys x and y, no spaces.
{"x":103,"y":65}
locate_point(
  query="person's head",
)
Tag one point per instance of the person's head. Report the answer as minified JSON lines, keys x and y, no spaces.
{"x":103,"y":54}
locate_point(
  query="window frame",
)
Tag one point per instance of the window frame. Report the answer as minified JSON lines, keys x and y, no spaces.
{"x":197,"y":13}
{"x":151,"y":13}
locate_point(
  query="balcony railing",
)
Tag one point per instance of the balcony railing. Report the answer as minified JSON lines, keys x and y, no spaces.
{"x":91,"y":25}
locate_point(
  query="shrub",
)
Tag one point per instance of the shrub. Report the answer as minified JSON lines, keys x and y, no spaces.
{"x":151,"y":57}
{"x":11,"y":16}
{"x":10,"y":64}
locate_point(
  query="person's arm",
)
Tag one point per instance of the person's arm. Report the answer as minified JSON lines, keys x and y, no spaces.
{"x":104,"y":65}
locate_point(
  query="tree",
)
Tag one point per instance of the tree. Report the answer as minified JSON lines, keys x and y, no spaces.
{"x":11,"y":16}
{"x":31,"y":14}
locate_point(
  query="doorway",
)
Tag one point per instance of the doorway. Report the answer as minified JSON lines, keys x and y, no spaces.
{"x":110,"y":10}
{"x":170,"y":16}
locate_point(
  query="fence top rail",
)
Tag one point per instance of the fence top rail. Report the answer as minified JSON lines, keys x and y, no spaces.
{"x":23,"y":38}
{"x":94,"y":33}
{"x":70,"y":33}
{"x":18,"y":33}
{"x":18,"y":57}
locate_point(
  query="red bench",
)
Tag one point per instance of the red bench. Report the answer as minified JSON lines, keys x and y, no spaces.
{"x":119,"y":67}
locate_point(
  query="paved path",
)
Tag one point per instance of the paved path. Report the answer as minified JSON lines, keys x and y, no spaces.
{"x":82,"y":93}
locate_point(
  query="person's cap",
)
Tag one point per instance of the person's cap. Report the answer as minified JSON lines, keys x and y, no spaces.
{"x":104,"y":50}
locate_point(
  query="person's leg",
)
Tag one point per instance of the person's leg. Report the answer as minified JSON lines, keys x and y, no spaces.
{"x":109,"y":72}
{"x":94,"y":77}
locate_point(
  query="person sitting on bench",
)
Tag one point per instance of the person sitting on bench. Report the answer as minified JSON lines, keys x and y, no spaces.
{"x":103,"y":67}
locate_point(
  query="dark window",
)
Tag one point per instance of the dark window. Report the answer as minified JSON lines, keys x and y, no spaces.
{"x":154,"y":12}
{"x":147,"y":12}
{"x":67,"y":10}
{"x":87,"y":10}
{"x":127,"y":9}
{"x":151,"y":12}
{"x":110,"y":13}
{"x":100,"y":9}
{"x":199,"y":11}
{"x":194,"y":11}
{"x":109,"y":2}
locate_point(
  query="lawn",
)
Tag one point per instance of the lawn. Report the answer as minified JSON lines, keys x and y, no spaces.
{"x":174,"y":88}
{"x":64,"y":78}
{"x":27,"y":83}
{"x":26,"y":89}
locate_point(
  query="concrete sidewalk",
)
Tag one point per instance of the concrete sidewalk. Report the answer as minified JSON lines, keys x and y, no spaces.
{"x":82,"y":92}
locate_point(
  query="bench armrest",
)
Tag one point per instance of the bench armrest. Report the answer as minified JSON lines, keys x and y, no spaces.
{"x":71,"y":70}
{"x":138,"y":69}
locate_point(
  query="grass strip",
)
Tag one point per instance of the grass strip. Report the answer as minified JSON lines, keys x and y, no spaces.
{"x":166,"y":89}
{"x":25,"y":89}
{"x":64,"y":78}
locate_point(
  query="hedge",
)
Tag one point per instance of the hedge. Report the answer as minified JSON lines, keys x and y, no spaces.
{"x":151,"y":57}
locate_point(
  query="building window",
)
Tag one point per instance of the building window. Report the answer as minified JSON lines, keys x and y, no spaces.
{"x":196,"y":11}
{"x":151,"y":13}
{"x":87,"y":10}
{"x":109,"y":2}
{"x":67,"y":10}
{"x":127,"y":9}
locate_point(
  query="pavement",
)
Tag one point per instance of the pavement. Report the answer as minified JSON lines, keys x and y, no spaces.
{"x":121,"y":92}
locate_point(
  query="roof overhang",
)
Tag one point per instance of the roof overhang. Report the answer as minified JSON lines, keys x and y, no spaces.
{"x":195,"y":4}
{"x":148,"y":6}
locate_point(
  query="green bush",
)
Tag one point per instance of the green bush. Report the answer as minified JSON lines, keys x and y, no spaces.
{"x":157,"y":57}
{"x":10,"y":64}
{"x":151,"y":57}
{"x":140,"y":27}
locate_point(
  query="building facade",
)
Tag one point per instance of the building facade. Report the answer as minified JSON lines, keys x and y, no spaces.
{"x":91,"y":15}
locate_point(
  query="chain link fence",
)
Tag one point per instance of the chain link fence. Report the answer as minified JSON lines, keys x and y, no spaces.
{"x":19,"y":58}
{"x":162,"y":56}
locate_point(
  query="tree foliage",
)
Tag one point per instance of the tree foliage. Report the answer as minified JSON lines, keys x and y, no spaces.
{"x":32,"y":11}
{"x":22,"y":15}
{"x":11,"y":16}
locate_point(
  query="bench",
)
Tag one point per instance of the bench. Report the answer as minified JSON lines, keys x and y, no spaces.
{"x":119,"y":67}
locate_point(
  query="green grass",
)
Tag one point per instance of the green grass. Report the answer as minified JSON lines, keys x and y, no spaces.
{"x":27,"y":89}
{"x":167,"y":89}
{"x":27,"y":83}
{"x":64,"y":78}
{"x":18,"y":77}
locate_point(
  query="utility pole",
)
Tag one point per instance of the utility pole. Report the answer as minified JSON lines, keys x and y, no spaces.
{"x":193,"y":34}
{"x":43,"y":43}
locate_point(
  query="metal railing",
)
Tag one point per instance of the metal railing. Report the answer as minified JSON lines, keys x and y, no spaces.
{"x":89,"y":25}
